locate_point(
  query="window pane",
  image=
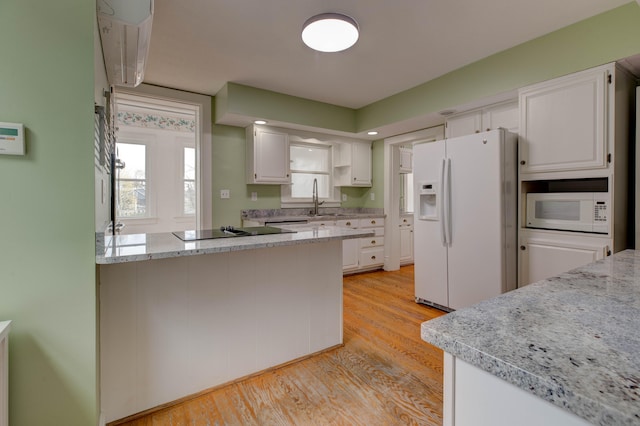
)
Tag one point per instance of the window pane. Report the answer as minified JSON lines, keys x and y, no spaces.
{"x":132,"y":199}
{"x":307,"y":158}
{"x":134,"y":158}
{"x":406,"y":193}
{"x":409,"y":192}
{"x":189,"y":197}
{"x":302,"y":185}
{"x":189,"y":163}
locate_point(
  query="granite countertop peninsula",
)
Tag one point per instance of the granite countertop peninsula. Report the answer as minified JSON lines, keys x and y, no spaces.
{"x":139,"y":247}
{"x":573,"y":340}
{"x":263,"y":216}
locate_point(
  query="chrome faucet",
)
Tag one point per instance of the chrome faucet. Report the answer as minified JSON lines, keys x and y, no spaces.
{"x":315,"y":197}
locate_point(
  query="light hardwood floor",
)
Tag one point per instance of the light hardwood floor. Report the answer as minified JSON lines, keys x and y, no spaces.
{"x":383,"y":375}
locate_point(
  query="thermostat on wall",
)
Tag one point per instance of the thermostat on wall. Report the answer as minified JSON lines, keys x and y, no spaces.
{"x":11,"y":138}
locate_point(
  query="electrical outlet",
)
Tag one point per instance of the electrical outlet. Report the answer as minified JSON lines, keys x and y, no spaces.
{"x":373,"y":196}
{"x":344,"y":197}
{"x":254,"y":196}
{"x":225,"y":193}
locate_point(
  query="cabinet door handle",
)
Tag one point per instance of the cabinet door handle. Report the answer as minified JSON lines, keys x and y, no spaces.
{"x":404,"y":220}
{"x":373,"y":258}
{"x":373,"y":241}
{"x":522,"y":162}
{"x":348,"y":223}
{"x":373,"y":222}
{"x":523,"y":247}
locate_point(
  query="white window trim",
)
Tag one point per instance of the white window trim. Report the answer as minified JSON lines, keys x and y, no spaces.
{"x":202,"y":103}
{"x":148,"y":140}
{"x":180,"y":146}
{"x":287,"y":201}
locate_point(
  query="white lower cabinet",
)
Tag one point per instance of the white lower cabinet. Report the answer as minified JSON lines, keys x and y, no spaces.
{"x":544,"y":254}
{"x":474,"y":397}
{"x":406,"y":240}
{"x":363,"y":253}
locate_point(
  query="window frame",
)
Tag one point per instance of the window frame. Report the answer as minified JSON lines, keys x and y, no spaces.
{"x":333,"y":200}
{"x":147,"y":140}
{"x":182,"y":144}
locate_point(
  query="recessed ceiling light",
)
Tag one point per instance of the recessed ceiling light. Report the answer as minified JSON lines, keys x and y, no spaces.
{"x":330,"y":32}
{"x":260,"y":122}
{"x":372,"y":133}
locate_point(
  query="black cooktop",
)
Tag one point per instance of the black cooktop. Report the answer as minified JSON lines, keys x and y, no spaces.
{"x":229,"y":232}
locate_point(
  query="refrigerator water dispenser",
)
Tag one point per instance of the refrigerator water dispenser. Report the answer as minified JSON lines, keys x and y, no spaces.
{"x":428,"y":201}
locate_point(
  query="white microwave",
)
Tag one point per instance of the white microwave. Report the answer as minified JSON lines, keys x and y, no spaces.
{"x":569,"y":211}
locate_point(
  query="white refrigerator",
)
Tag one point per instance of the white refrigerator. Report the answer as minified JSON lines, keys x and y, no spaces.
{"x":465,"y":237}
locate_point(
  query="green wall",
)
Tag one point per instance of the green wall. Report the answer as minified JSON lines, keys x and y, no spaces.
{"x":604,"y":38}
{"x":47,"y":248}
{"x":228,"y":172}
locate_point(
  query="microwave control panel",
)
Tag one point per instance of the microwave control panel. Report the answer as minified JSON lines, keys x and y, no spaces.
{"x":600,"y":211}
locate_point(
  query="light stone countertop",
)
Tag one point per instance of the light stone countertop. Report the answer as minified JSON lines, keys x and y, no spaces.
{"x":302,"y":214}
{"x":573,"y":340}
{"x":138,"y":247}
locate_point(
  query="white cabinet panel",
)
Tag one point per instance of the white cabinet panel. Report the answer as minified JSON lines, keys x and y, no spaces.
{"x":464,"y":124}
{"x":543,"y":255}
{"x":267,"y":154}
{"x":350,"y":254}
{"x":563,"y":123}
{"x":480,"y":398}
{"x":501,"y":115}
{"x":352,"y":165}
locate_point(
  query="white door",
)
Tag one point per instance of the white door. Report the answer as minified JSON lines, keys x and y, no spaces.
{"x":563,"y":123}
{"x":272,"y":157}
{"x":476,"y":251}
{"x":361,"y":164}
{"x":350,"y":254}
{"x":542,"y":258}
{"x":429,"y":254}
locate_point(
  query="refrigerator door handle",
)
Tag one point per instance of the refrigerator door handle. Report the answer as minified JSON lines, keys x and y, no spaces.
{"x":447,"y":203}
{"x":443,"y":232}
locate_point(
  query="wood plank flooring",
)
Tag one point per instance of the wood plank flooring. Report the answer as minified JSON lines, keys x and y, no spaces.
{"x":383,"y":375}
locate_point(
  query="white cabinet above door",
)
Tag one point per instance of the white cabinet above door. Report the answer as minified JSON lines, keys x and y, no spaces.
{"x":501,"y":115}
{"x":563,"y":123}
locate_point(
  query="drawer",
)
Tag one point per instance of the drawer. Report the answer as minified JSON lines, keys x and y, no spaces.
{"x":371,"y":256}
{"x":372,"y":222}
{"x":348,"y":223}
{"x":323,"y":223}
{"x":372,"y":242}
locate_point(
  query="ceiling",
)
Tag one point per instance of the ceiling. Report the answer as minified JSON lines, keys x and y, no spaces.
{"x":199,"y":45}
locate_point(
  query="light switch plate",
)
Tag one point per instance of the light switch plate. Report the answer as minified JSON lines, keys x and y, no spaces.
{"x":254,"y":196}
{"x":225,"y":193}
{"x":344,"y":197}
{"x":373,"y":196}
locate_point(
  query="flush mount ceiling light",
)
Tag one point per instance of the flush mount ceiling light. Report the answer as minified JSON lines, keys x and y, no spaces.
{"x":330,"y":32}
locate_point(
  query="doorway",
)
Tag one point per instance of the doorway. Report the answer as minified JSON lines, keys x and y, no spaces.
{"x":161,"y":142}
{"x":398,"y":193}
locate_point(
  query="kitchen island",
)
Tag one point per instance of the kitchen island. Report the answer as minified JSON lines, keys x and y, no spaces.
{"x":180,"y":317}
{"x":565,"y":350}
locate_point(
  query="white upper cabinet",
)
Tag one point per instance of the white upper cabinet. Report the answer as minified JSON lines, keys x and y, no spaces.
{"x":406,"y":160}
{"x":267,"y":153}
{"x":564,"y":123}
{"x":353,"y":164}
{"x":504,"y":114}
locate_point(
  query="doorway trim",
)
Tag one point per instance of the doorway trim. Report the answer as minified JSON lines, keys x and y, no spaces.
{"x":202,"y":103}
{"x":392,"y":189}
